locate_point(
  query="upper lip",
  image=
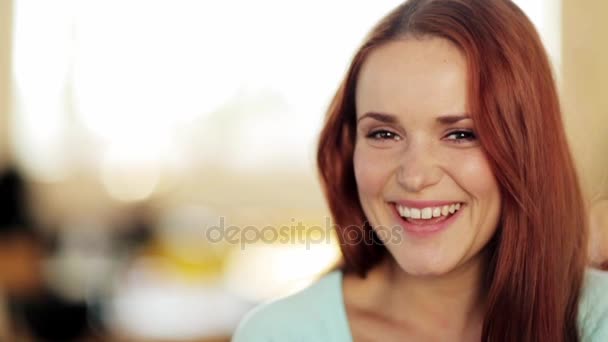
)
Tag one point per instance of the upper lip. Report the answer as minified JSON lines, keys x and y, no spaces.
{"x":423,"y":204}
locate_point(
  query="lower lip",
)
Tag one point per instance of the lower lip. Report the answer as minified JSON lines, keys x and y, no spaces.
{"x":425,"y":230}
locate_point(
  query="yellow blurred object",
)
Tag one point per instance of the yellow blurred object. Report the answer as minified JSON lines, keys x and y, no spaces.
{"x":188,"y":263}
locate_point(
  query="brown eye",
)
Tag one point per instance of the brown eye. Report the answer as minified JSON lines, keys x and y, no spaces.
{"x":461,"y":136}
{"x":383,"y":135}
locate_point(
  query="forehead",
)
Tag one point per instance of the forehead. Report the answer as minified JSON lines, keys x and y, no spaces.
{"x":413,"y":75}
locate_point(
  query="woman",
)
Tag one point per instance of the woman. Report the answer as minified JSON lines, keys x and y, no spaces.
{"x":445,"y":145}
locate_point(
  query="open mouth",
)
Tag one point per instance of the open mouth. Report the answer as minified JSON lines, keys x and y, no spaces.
{"x":428,"y":219}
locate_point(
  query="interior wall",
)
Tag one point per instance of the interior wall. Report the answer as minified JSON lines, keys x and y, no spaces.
{"x":584,"y":90}
{"x":6,"y":24}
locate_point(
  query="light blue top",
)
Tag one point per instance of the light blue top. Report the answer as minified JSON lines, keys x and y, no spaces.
{"x":318,"y":314}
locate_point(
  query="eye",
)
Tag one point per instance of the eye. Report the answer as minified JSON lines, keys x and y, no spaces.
{"x":383,"y":135}
{"x":461,"y":136}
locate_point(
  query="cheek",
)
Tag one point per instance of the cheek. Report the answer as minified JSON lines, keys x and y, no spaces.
{"x":478,"y":180}
{"x":372,"y":170}
{"x":476,"y":177}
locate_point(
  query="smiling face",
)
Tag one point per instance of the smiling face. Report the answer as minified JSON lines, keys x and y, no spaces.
{"x":424,"y":182}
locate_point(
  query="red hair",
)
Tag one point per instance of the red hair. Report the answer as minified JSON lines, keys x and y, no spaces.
{"x":538,"y":255}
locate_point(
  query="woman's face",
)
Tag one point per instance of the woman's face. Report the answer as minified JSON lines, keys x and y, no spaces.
{"x":424,"y":182}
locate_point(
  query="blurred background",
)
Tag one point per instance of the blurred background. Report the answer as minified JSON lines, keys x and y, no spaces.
{"x":135,"y":134}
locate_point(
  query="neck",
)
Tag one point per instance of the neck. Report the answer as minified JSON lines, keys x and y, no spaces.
{"x":453,"y":303}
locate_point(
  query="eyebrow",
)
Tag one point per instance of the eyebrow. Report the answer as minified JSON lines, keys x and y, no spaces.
{"x":452,"y":118}
{"x":388,"y":118}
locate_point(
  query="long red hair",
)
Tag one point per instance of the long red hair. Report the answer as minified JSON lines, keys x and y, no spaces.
{"x":538,"y":256}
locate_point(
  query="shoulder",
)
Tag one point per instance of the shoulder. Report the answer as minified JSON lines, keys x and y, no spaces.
{"x":594,"y":306}
{"x":311,"y":314}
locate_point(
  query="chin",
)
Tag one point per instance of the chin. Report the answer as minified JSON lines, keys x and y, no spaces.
{"x":424,"y":268}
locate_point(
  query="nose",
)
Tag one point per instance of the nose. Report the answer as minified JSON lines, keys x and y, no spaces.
{"x":419,"y":168}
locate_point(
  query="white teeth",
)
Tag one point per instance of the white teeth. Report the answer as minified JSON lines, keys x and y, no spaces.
{"x":429,"y":212}
{"x":436,"y":212}
{"x":415,"y":213}
{"x":403,"y":211}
